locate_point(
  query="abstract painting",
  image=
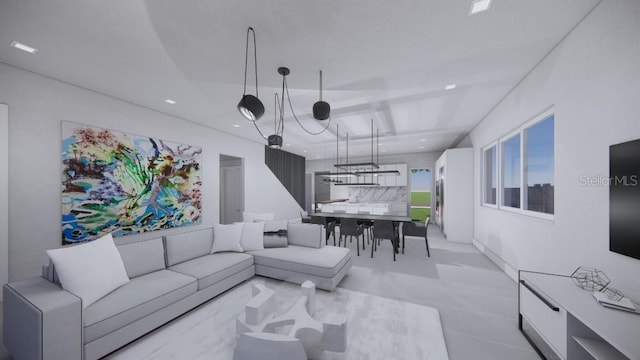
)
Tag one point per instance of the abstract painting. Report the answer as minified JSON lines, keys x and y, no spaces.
{"x":119,"y":183}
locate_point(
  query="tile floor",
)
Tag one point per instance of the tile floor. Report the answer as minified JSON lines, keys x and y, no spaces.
{"x":477,"y":301}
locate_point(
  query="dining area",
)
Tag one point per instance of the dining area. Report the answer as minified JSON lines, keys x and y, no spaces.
{"x":370,"y":230}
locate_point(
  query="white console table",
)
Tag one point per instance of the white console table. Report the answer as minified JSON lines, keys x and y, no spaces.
{"x":571,"y":324}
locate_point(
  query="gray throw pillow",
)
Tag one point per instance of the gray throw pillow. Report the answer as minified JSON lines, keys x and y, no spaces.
{"x":307,"y":235}
{"x":275,"y":240}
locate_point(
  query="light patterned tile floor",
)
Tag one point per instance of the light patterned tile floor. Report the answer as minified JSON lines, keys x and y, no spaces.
{"x":477,"y":301}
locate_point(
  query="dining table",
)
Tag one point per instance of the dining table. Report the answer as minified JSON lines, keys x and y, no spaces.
{"x":395,"y":218}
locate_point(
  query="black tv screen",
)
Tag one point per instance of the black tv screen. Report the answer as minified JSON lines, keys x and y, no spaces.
{"x":624,"y":198}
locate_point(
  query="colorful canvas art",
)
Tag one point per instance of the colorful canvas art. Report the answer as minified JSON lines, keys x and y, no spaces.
{"x":119,"y":183}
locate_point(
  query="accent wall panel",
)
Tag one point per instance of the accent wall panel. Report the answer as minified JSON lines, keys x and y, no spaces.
{"x":289,"y":169}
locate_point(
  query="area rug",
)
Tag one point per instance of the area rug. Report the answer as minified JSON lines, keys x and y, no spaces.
{"x":378,"y":327}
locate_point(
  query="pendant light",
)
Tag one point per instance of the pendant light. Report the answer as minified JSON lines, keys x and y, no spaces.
{"x":250,"y":106}
{"x":275,"y":140}
{"x":321,"y":109}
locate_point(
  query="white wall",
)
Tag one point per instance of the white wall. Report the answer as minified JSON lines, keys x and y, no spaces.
{"x":593,"y":79}
{"x":4,"y":193}
{"x":39,"y":104}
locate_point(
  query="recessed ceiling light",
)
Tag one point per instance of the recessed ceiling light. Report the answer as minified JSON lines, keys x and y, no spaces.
{"x":304,"y":150}
{"x":450,"y":86}
{"x":421,"y":147}
{"x":479,"y":6}
{"x":384,"y":150}
{"x":423,"y":140}
{"x":23,"y":47}
{"x":287,"y":145}
{"x":170,"y":102}
{"x":236,"y":125}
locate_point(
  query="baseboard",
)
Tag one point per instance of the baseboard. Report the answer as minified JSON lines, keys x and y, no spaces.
{"x":508,"y":269}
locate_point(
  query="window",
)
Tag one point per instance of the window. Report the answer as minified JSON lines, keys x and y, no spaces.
{"x":524,"y":162}
{"x":511,"y":172}
{"x":490,"y":159}
{"x":539,"y":166}
{"x":420,"y":194}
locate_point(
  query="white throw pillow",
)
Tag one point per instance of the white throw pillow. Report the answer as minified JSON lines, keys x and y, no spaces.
{"x":227,"y":238}
{"x":91,"y":270}
{"x":252,"y":236}
{"x":249,"y":217}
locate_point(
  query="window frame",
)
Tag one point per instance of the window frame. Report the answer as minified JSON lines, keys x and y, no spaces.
{"x":501,"y":142}
{"x":483,"y":197}
{"x":519,"y":131}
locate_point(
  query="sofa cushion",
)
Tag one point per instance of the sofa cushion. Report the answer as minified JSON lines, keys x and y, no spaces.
{"x":211,"y":269}
{"x":251,"y":217}
{"x":188,"y":245}
{"x":142,"y":257}
{"x":309,"y":235}
{"x":90,"y":270}
{"x":324,"y":262}
{"x":138,"y":298}
{"x":271,"y":226}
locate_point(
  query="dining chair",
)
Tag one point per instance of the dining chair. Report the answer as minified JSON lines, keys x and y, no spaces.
{"x":329,"y":226}
{"x":368,"y":226}
{"x":351,"y":228}
{"x":385,"y":229}
{"x":304,"y":217}
{"x":415,"y":228}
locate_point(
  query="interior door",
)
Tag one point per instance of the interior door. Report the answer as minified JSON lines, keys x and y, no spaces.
{"x":231,"y":199}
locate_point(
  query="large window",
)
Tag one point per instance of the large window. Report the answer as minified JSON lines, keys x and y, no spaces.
{"x":420,"y":194}
{"x":490,"y":159}
{"x":539,"y":166}
{"x":523,"y":162}
{"x":511,"y":172}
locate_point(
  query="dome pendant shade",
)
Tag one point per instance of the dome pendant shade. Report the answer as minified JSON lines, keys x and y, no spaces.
{"x":251,"y":107}
{"x":275,"y":141}
{"x":321,"y":110}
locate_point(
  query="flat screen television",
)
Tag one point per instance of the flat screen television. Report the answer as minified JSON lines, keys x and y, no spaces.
{"x":624,"y":198}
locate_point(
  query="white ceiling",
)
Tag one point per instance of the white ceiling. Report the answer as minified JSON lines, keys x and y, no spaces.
{"x":383,"y":60}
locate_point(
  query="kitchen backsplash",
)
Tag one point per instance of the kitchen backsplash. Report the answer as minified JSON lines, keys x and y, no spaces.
{"x":378,"y":193}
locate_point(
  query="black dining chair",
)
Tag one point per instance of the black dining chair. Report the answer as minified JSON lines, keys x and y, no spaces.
{"x":416,"y":228}
{"x":385,"y":229}
{"x":304,"y":217}
{"x":351,"y":228}
{"x":329,"y":226}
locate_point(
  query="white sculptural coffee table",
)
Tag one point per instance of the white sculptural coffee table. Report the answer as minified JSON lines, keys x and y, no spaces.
{"x":307,"y":338}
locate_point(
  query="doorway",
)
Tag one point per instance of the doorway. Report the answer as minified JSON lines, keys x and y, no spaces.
{"x":231,"y":189}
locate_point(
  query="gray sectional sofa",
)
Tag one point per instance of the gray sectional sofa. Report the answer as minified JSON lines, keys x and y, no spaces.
{"x":168,"y":277}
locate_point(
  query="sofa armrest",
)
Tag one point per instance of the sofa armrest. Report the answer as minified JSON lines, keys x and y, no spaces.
{"x":41,"y":321}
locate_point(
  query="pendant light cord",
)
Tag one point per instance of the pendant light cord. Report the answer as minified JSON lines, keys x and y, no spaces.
{"x":320,"y":85}
{"x":246,"y":60}
{"x":286,"y":88}
{"x":278,"y":123}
